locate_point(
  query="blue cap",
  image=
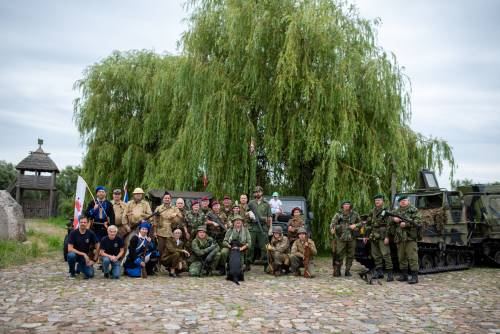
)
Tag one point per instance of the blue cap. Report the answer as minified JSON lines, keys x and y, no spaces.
{"x":100,"y":188}
{"x":145,"y":224}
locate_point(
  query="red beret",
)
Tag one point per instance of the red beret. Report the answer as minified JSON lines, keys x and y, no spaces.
{"x":194,"y":202}
{"x":227,"y":197}
{"x":205,"y":198}
{"x":215,"y":203}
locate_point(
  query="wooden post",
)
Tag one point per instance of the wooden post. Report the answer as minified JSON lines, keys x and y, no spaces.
{"x":51,"y":196}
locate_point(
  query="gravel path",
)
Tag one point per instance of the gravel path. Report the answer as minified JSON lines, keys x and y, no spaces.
{"x":39,"y":298}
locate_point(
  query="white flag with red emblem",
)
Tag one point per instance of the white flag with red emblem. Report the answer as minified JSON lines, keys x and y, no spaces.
{"x":81,"y":188}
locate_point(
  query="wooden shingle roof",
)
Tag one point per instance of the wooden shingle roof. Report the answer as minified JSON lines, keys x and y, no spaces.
{"x":38,"y":161}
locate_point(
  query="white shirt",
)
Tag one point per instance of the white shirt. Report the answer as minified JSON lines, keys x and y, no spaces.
{"x":276,"y":205}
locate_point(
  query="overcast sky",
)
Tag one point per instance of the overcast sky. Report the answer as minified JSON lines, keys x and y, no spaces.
{"x":450,"y":50}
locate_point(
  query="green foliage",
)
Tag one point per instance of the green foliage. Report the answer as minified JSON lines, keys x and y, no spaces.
{"x":66,"y":185}
{"x":7,"y":174}
{"x":326,"y":108}
{"x":14,"y":252}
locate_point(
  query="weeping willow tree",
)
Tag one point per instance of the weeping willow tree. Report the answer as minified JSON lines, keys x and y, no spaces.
{"x":293,"y":95}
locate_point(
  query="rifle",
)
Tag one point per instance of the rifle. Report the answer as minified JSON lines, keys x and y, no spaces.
{"x":144,"y":273}
{"x":213,"y":217}
{"x":270,"y":259}
{"x":254,"y":210}
{"x":307,"y":258}
{"x":386,"y":213}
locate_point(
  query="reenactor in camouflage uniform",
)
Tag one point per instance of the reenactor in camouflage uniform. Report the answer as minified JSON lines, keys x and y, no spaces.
{"x":213,"y":228}
{"x":204,"y":205}
{"x":406,"y":237}
{"x":137,"y":209}
{"x":237,"y":233}
{"x":298,"y":251}
{"x":296,"y":222}
{"x":277,"y":249}
{"x":377,"y":231}
{"x":194,"y":218}
{"x":119,"y":208}
{"x":205,"y":253}
{"x":227,"y":208}
{"x":342,"y":226}
{"x":248,"y":217}
{"x":261,"y":209}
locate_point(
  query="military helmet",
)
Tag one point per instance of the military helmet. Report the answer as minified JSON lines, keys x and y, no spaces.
{"x":277,"y":229}
{"x":302,"y":230}
{"x":236,"y":204}
{"x":201,"y":228}
{"x":236,"y":217}
{"x":257,"y":189}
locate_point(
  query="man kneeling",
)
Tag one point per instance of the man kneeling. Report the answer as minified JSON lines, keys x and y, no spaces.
{"x":142,"y":253}
{"x":303,"y":250}
{"x":205,"y":253}
{"x":111,"y":251}
{"x":80,"y":242}
{"x":277,"y":252}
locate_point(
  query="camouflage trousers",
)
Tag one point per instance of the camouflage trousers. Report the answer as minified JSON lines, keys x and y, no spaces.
{"x":297,"y":262}
{"x":345,"y":249}
{"x":380,"y":253}
{"x":408,"y":255}
{"x":196,"y":268}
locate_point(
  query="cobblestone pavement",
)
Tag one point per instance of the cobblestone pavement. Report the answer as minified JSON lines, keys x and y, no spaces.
{"x":39,"y":298}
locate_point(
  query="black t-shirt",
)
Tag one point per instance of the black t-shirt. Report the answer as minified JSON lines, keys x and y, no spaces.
{"x":112,"y":247}
{"x":82,"y":242}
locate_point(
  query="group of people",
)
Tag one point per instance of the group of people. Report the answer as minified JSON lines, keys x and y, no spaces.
{"x":175,"y":239}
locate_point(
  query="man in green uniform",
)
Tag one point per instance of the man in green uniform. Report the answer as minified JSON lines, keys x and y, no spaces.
{"x":342,"y":226}
{"x":205,"y":253}
{"x":237,"y":233}
{"x":262,"y":213}
{"x":406,"y":237}
{"x":377,"y":231}
{"x":277,"y":248}
{"x":194,"y":218}
{"x":298,"y":254}
{"x":205,"y":202}
{"x":227,"y":208}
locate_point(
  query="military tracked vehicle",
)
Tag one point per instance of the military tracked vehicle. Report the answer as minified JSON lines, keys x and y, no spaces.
{"x":460,"y":227}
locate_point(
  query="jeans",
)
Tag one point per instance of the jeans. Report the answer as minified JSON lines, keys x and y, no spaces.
{"x":115,"y":267}
{"x":73,"y":259}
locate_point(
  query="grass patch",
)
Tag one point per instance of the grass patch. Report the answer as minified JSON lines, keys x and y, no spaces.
{"x":42,"y":242}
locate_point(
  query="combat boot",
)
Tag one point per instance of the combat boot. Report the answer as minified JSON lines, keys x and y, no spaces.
{"x":414,"y":278}
{"x":380,"y":273}
{"x":390,"y":276}
{"x":347,"y":272}
{"x":336,"y":270}
{"x":404,"y":276}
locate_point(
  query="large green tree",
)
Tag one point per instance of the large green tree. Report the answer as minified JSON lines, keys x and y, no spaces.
{"x":293,"y":95}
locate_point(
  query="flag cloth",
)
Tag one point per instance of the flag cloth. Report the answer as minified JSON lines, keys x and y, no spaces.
{"x":125,"y":192}
{"x":81,"y":188}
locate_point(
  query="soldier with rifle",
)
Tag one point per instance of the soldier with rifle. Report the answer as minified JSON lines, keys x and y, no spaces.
{"x":216,"y":223}
{"x":303,"y":251}
{"x":260,"y":226}
{"x":277,"y":252}
{"x":407,"y":224}
{"x":142,"y":253}
{"x":205,"y":253}
{"x":377,"y":231}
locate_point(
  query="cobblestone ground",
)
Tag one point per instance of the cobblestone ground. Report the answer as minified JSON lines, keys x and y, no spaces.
{"x":39,"y":298}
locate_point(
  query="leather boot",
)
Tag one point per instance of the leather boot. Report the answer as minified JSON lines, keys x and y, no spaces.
{"x":414,"y":278}
{"x":347,"y":272}
{"x":380,"y":273}
{"x":390,"y":276}
{"x":336,"y":270}
{"x":404,"y":276}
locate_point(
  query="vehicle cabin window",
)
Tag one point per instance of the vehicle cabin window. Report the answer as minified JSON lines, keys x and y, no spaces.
{"x":494,"y":206}
{"x":430,"y":202}
{"x":454,"y":201}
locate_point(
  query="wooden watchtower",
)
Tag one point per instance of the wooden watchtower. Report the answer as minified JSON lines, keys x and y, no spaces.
{"x":37,"y":172}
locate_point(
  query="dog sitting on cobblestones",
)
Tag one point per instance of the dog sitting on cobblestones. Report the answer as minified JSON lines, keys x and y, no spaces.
{"x":235,"y":269}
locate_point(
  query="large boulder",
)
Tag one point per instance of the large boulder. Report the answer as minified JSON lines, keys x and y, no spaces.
{"x":11,"y":218}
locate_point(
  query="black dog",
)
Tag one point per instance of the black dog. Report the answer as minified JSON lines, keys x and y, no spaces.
{"x":234,"y":272}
